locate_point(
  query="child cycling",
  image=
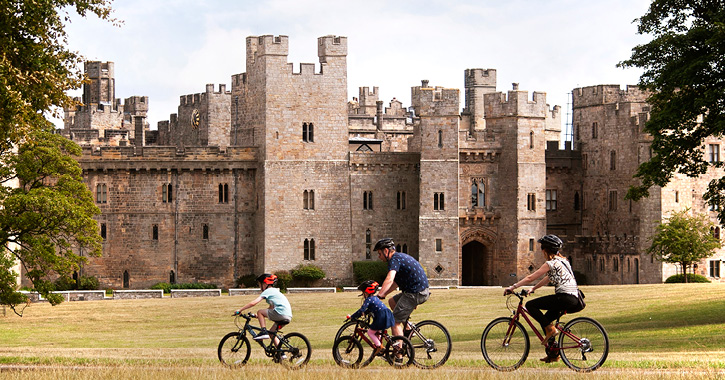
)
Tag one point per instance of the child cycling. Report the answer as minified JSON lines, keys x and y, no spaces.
{"x":381,"y":315}
{"x":279,"y":310}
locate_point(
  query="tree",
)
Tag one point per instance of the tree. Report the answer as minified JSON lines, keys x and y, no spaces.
{"x":684,"y":72}
{"x":684,"y":239}
{"x":49,"y":212}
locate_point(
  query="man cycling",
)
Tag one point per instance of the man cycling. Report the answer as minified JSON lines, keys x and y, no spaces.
{"x":406,"y":273}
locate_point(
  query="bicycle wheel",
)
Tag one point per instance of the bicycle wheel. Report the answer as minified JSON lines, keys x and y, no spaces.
{"x":347,"y":328}
{"x":234,"y":350}
{"x":347,"y":352}
{"x":505,"y":344}
{"x":293,"y":350}
{"x":432,"y":344}
{"x":584,"y":344}
{"x":399,"y":352}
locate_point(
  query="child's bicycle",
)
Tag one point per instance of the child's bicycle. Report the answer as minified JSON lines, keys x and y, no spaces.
{"x":348,"y":350}
{"x":430,"y":339}
{"x":583,"y":343}
{"x":292,"y":350}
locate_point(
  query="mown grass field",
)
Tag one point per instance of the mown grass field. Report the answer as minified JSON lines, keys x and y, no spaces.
{"x":656,"y":331}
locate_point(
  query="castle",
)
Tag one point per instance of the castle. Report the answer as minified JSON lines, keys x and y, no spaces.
{"x":283,"y":169}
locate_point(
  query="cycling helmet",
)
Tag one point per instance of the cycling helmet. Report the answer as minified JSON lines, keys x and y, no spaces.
{"x":384,"y":243}
{"x":268,"y":279}
{"x":551,"y":243}
{"x":369,"y":287}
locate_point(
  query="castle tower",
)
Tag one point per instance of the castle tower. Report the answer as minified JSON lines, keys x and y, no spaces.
{"x":478,"y":82}
{"x":437,"y":138}
{"x":519,"y":124}
{"x":102,"y":86}
{"x":298,"y":120}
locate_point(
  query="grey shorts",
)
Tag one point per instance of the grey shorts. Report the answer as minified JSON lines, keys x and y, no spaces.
{"x":405,"y":303}
{"x":278,"y":319}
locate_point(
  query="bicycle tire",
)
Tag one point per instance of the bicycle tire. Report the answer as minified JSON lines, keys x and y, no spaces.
{"x":347,"y":328}
{"x":234,"y":350}
{"x":404,"y":348}
{"x":500,"y":355}
{"x":293,"y":351}
{"x":433,"y":345}
{"x":347,"y":352}
{"x":595,"y":349}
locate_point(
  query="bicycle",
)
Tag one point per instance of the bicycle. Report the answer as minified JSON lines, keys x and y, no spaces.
{"x":348,"y":351}
{"x":292,"y":350}
{"x":583,"y":343}
{"x":430,"y":339}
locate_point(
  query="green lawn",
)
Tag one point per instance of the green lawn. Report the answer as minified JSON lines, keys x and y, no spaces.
{"x":653,"y":327}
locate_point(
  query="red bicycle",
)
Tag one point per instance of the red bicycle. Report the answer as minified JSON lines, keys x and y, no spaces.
{"x":583,"y":343}
{"x":348,"y":350}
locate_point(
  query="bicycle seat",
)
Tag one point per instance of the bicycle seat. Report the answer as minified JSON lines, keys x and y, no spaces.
{"x":281,"y":324}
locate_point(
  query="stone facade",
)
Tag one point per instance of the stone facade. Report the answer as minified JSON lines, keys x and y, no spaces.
{"x":283,"y":170}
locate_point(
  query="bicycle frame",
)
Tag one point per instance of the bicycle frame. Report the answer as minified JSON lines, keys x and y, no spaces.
{"x":254,"y":332}
{"x":361,"y":332}
{"x":521,"y":311}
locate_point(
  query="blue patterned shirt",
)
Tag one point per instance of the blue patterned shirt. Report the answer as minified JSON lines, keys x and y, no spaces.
{"x":409,"y":275}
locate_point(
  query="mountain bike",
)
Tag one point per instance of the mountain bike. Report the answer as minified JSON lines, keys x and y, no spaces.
{"x":583,"y":343}
{"x":430,"y":339}
{"x":291,"y":350}
{"x":348,"y":349}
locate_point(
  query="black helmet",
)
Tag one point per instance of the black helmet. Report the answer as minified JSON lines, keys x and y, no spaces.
{"x":268,"y":279}
{"x":369,"y":287}
{"x":551,"y":243}
{"x":384,"y":243}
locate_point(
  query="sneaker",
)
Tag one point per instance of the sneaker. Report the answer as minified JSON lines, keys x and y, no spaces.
{"x":379,"y":350}
{"x":262,"y":335}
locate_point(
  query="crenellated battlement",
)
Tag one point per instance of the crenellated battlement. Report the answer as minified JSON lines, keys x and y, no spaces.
{"x":98,"y":69}
{"x":367,"y":97}
{"x":331,"y":46}
{"x":136,"y":104}
{"x":435,"y":101}
{"x":607,"y":94}
{"x":167,"y":153}
{"x":480,"y":78}
{"x":200,"y":98}
{"x":516,"y":103}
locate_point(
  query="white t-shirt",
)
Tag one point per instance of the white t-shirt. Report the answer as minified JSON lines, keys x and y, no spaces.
{"x":561,"y":275}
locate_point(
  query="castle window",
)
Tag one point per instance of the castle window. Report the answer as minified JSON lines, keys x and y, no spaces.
{"x":576,"y":133}
{"x":309,"y":249}
{"x":531,"y":140}
{"x":613,"y":200}
{"x":531,"y":202}
{"x":397,"y":248}
{"x":367,"y":200}
{"x":405,"y":248}
{"x":629,"y":265}
{"x":103,"y":231}
{"x":714,"y":152}
{"x":440,"y":138}
{"x":126,"y":280}
{"x":101,"y":193}
{"x":400,"y":200}
{"x":155,"y":232}
{"x":205,"y":232}
{"x":601,"y":264}
{"x":308,"y":132}
{"x":714,"y":268}
{"x":172,"y":277}
{"x":223,"y":193}
{"x":615,"y":265}
{"x":166,"y":193}
{"x":677,"y":197}
{"x":613,"y":160}
{"x":478,"y":193}
{"x":308,"y":200}
{"x":531,"y":245}
{"x":577,"y":206}
{"x":368,"y":245}
{"x":595,"y":131}
{"x":439,"y":245}
{"x":550,"y":200}
{"x":439,"y":201}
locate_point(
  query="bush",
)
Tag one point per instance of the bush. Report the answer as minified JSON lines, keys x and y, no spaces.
{"x":64,"y":283}
{"x":284,"y":278}
{"x":88,"y":283}
{"x":369,"y":270}
{"x":166,"y":287}
{"x":306,"y":274}
{"x":678,"y":278}
{"x":247,"y":281}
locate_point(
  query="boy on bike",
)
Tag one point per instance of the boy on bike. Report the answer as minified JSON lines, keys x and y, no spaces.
{"x":382,"y":317}
{"x":279,"y":310}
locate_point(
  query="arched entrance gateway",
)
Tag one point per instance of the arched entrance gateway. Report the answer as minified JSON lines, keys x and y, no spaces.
{"x":476,"y":249}
{"x":473,"y":264}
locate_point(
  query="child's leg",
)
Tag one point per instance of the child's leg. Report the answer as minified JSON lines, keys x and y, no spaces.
{"x":373,"y":334}
{"x":261,"y":315}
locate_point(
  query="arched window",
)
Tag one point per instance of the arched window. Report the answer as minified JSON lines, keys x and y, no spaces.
{"x":172,"y":277}
{"x":439,"y":201}
{"x":367,"y":200}
{"x":126,"y":280}
{"x":305,"y":200}
{"x":221,"y":193}
{"x":405,"y":248}
{"x":205,"y":233}
{"x":474,"y":195}
{"x":309,"y":249}
{"x":368,"y":245}
{"x":440,"y":138}
{"x":531,"y":140}
{"x":103,"y":231}
{"x":478,"y":193}
{"x":155,"y":232}
{"x":577,"y":206}
{"x":311,"y":196}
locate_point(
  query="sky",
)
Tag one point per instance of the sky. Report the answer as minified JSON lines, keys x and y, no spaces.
{"x":168,"y":48}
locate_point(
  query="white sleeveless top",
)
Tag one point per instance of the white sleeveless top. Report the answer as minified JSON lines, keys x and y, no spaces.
{"x":561,"y":275}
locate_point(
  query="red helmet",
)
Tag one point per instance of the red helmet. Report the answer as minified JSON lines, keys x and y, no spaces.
{"x":369,"y":287}
{"x":268,"y":279}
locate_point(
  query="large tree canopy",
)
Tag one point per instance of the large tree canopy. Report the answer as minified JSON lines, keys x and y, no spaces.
{"x":684,"y":239}
{"x":684,"y":71}
{"x":45,"y":209}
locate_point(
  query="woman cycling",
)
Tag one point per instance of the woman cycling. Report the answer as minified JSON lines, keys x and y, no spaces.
{"x":556,"y":270}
